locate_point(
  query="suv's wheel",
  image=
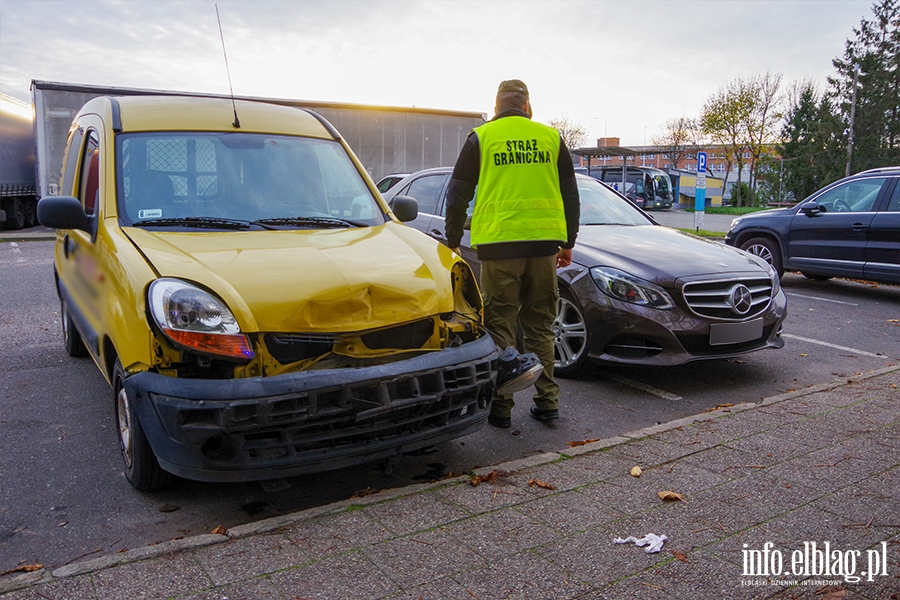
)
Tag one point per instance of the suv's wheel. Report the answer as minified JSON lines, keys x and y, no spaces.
{"x":72,"y":339}
{"x":141,"y":467}
{"x":570,"y":330}
{"x":766,"y":249}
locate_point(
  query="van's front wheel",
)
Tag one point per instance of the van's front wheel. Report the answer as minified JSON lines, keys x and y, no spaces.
{"x":141,"y":467}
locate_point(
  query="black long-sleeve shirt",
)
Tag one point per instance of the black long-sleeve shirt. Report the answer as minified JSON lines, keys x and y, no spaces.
{"x":461,"y":190}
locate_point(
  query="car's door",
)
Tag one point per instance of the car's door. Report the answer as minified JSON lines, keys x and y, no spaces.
{"x":883,"y":247}
{"x":79,"y":262}
{"x":834,"y":240}
{"x":428,"y":190}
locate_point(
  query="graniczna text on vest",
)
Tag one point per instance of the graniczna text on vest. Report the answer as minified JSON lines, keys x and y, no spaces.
{"x":520,"y":152}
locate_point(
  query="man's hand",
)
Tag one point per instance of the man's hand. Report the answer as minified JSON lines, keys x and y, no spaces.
{"x":564,"y":258}
{"x":456,"y":251}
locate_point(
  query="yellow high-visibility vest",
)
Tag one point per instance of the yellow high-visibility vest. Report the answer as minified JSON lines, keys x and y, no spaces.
{"x":518,"y":197}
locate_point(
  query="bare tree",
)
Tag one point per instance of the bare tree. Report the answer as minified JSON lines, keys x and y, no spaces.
{"x":724,"y":119}
{"x":763,"y":120}
{"x":681,"y":135}
{"x":573,"y":134}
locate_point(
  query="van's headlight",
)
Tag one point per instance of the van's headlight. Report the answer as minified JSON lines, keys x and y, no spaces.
{"x":196,"y":320}
{"x":628,"y":288}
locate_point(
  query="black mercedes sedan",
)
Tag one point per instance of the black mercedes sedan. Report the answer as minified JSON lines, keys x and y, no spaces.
{"x":638,"y":293}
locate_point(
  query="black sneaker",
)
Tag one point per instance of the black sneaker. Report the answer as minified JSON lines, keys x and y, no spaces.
{"x":517,"y":371}
{"x":545,"y":415}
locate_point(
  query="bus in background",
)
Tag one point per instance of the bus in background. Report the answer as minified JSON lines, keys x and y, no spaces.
{"x":647,"y":187}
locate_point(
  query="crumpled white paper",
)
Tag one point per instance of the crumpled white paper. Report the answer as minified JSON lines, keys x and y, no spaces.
{"x":653,"y":542}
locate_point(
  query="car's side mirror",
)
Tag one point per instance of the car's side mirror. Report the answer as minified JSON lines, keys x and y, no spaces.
{"x":64,"y":212}
{"x":811,"y":208}
{"x":405,"y":208}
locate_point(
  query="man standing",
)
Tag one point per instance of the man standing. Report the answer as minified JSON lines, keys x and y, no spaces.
{"x":524,"y":226}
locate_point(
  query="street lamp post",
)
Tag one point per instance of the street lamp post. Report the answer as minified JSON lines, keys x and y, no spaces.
{"x":852,"y":118}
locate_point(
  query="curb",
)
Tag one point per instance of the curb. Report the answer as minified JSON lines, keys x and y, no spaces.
{"x":267,"y":525}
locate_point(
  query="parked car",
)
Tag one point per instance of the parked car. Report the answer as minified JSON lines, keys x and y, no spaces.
{"x":850,"y":228}
{"x":389,"y":181}
{"x":637,"y":293}
{"x":257,"y":309}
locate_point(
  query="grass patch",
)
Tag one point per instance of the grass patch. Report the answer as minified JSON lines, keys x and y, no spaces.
{"x":730,"y":210}
{"x":704,"y":233}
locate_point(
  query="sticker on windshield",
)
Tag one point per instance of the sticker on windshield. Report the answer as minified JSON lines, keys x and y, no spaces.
{"x":149,"y":213}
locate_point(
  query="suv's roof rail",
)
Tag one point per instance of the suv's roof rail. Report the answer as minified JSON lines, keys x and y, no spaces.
{"x":879,"y":170}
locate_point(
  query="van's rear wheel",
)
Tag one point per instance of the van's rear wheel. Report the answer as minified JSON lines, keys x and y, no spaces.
{"x":141,"y":467}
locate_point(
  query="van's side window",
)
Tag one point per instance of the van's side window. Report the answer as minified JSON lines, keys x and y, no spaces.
{"x":89,"y":182}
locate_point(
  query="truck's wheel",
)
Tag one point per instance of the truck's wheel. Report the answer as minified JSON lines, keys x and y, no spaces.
{"x":74,"y":344}
{"x":15,"y":214}
{"x":30,"y":207}
{"x":570,"y":330}
{"x":141,"y":467}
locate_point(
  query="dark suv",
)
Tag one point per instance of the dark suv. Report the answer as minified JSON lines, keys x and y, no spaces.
{"x":850,"y":228}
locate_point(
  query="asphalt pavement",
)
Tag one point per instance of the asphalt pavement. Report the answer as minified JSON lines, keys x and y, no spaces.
{"x":793,"y":497}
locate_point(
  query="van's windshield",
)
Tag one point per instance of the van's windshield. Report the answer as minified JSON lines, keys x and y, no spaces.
{"x":277,"y":181}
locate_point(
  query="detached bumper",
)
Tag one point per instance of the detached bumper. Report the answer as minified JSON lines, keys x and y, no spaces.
{"x":263,"y":428}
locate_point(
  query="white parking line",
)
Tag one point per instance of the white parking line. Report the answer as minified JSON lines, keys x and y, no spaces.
{"x":835,"y":346}
{"x":821,"y":299}
{"x":644,"y":387}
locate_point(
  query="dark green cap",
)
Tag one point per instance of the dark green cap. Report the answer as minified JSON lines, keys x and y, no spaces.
{"x":512,"y":85}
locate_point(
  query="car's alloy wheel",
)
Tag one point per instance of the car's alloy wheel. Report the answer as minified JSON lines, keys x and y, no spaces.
{"x":767,"y":250}
{"x":571,"y":337}
{"x":141,"y":467}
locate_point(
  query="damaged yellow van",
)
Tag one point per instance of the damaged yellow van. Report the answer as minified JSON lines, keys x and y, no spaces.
{"x":256,"y":307}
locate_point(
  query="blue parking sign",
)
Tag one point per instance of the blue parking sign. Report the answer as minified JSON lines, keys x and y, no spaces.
{"x":701,"y":162}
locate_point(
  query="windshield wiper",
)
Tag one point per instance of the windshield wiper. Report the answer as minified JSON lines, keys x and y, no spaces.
{"x":206,"y":222}
{"x":312,"y":221}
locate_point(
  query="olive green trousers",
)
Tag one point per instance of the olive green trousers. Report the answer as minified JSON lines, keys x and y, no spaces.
{"x":521,"y":295}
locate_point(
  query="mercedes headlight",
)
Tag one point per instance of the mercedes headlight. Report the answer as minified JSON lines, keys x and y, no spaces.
{"x":628,"y":288}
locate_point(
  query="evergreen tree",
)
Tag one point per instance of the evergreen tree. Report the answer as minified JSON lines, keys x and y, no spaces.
{"x":876,"y":123}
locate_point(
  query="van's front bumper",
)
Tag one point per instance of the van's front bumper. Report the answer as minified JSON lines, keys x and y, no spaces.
{"x":268,"y":427}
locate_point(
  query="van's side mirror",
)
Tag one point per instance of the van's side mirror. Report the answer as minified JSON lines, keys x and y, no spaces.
{"x":64,"y":212}
{"x":405,"y":208}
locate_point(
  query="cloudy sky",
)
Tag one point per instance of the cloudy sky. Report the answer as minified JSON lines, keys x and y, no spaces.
{"x":619,"y":68}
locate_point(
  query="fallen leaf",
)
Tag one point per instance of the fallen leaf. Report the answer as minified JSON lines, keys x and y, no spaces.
{"x":582,"y":442}
{"x":680,"y":556}
{"x":366,"y":492}
{"x":635,"y":471}
{"x":219,"y":531}
{"x":893,"y":320}
{"x":24,"y":569}
{"x":804,"y":355}
{"x":669,"y":496}
{"x":167,"y":508}
{"x":541,"y":484}
{"x":476,"y":479}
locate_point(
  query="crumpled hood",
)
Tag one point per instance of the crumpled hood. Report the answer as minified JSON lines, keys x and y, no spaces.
{"x":659,"y":254}
{"x":338,"y":280}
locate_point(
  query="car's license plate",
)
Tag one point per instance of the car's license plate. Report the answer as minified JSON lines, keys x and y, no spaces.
{"x":735,"y":333}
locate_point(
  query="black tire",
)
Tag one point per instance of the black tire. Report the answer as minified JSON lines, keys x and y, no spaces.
{"x":767,"y":249}
{"x":15,"y":214}
{"x":30,"y":213}
{"x":572,"y":337}
{"x":142,"y":470}
{"x":815,"y":277}
{"x":71,"y":338}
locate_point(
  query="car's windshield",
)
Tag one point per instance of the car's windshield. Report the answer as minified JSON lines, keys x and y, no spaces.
{"x":601,"y":206}
{"x":175,"y":178}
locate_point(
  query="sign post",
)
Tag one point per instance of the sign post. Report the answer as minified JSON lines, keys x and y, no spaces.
{"x":700,"y":191}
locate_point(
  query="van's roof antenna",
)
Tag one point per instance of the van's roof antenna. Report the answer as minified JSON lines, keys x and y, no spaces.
{"x":237,"y":122}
